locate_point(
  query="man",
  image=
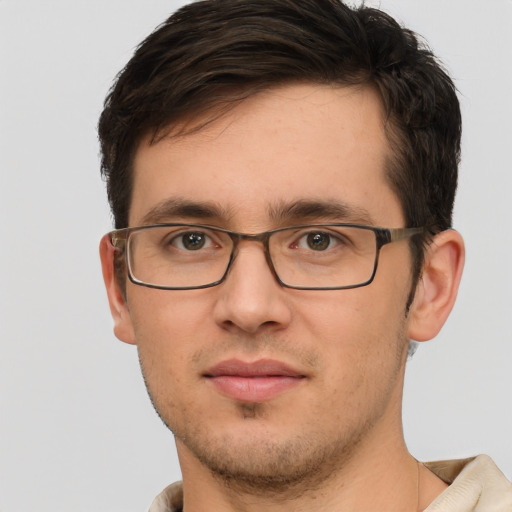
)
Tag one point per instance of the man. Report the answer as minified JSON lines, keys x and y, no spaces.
{"x":282,"y":177}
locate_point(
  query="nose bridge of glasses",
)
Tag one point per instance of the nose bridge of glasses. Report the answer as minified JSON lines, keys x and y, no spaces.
{"x":259,"y":238}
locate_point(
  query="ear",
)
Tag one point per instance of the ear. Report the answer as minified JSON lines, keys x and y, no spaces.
{"x":437,"y":288}
{"x":123,"y":327}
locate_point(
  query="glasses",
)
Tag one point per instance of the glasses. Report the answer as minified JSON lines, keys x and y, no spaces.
{"x":310,"y":257}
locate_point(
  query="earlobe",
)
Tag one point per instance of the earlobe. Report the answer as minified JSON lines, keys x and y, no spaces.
{"x":123,"y":327}
{"x":438,"y":286}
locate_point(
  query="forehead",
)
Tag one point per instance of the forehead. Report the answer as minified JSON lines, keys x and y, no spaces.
{"x":288,"y":145}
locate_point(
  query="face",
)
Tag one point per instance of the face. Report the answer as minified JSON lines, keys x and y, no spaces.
{"x":259,"y":382}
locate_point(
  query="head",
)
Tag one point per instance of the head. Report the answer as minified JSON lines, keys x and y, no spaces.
{"x":251,"y":116}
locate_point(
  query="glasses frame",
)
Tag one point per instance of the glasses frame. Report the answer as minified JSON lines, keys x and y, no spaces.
{"x":120,"y":240}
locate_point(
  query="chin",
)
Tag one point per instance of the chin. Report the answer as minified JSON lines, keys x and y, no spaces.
{"x":258,"y":457}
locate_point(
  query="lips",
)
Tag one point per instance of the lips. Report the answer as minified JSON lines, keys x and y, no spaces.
{"x":256,"y":381}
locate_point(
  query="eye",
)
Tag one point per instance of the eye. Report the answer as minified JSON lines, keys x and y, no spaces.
{"x":317,"y":241}
{"x":191,"y":241}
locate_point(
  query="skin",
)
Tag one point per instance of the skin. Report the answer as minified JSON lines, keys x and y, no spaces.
{"x":334,"y":440}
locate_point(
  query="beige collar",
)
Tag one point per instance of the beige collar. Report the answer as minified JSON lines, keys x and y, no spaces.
{"x":476,"y":485}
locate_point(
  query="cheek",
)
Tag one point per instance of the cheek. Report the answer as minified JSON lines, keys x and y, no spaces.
{"x":166,"y":315}
{"x":169,"y":328}
{"x":352,"y":318}
{"x":359,"y":333}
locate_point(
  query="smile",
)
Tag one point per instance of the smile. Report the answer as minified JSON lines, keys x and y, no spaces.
{"x":257,"y":381}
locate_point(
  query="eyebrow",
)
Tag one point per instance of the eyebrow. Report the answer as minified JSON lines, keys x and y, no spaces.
{"x":316,"y":210}
{"x":280,"y":213}
{"x":175,"y":207}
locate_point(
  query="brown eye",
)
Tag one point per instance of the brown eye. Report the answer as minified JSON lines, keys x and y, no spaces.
{"x":318,"y":241}
{"x":192,"y":241}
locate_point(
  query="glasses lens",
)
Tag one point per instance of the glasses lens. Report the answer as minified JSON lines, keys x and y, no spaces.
{"x":178,"y":256}
{"x":324,"y":256}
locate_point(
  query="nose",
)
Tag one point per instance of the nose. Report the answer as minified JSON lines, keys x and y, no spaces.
{"x":250,"y":299}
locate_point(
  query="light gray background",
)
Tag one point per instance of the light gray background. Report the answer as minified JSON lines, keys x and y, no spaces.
{"x":77,"y":431}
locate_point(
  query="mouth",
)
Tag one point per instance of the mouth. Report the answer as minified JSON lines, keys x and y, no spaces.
{"x":257,"y":381}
